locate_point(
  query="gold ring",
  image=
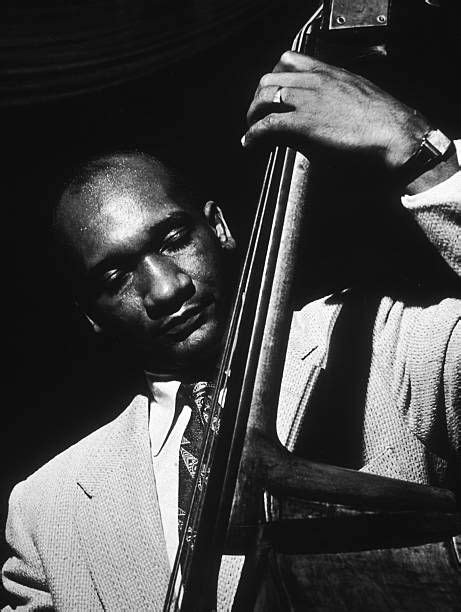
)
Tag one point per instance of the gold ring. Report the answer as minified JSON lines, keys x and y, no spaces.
{"x":277,"y":99}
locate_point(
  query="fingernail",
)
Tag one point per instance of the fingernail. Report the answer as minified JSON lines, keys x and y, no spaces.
{"x":242,"y":140}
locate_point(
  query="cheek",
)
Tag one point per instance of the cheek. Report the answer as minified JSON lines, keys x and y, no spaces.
{"x":121,"y":310}
{"x":204,"y":262}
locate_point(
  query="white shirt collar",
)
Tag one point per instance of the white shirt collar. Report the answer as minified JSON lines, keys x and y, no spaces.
{"x":162,"y":410}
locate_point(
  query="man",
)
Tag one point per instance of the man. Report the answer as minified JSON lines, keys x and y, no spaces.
{"x":97,"y":526}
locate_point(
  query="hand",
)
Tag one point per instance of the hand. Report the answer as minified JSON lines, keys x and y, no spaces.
{"x":327,"y":111}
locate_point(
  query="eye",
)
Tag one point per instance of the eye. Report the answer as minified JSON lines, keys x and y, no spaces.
{"x":176,"y":240}
{"x":114,"y":280}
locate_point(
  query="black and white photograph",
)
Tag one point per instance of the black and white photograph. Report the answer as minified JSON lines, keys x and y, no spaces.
{"x":232,"y":343}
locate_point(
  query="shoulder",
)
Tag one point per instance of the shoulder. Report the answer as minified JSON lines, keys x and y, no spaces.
{"x":403,"y":327}
{"x":418,"y":326}
{"x":55,"y":475}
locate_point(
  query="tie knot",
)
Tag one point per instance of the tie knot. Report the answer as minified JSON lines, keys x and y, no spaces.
{"x":200,"y":394}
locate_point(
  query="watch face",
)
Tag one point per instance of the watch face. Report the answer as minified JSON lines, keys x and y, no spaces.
{"x":431,"y":151}
{"x":437,"y":142}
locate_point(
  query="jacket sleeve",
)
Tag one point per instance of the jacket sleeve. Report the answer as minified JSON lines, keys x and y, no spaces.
{"x":438,"y":213}
{"x":434,"y":370}
{"x":434,"y":356}
{"x":22,"y":575}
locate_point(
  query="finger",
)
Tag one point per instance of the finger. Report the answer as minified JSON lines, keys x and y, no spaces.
{"x":291,"y":98}
{"x":271,"y":82}
{"x":271,"y":129}
{"x":263,"y":103}
{"x":292,"y":79}
{"x":290,"y":61}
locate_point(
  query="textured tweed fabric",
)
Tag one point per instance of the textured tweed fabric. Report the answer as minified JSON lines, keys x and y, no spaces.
{"x":85,"y":530}
{"x":412,"y":426}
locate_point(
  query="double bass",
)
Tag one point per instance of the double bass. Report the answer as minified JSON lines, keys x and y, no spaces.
{"x":245,"y":475}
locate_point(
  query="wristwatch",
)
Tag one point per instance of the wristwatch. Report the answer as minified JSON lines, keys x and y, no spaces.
{"x":434,"y":148}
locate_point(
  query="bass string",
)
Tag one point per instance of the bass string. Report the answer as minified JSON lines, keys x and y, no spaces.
{"x":207,"y":455}
{"x":180,"y":571}
{"x":192,"y":517}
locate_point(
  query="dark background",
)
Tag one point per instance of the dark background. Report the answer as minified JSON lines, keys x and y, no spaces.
{"x":60,"y":383}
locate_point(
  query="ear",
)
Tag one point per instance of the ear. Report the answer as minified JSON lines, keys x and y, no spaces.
{"x":217,"y":222}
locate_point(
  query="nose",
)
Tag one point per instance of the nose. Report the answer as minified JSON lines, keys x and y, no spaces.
{"x":164,"y":286}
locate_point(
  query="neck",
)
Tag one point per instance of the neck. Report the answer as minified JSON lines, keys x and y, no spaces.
{"x":205,"y":370}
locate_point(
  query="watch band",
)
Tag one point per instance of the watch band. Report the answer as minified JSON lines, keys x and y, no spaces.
{"x":434,"y":148}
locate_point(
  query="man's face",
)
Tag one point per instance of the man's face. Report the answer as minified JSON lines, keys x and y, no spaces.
{"x":152,"y":271}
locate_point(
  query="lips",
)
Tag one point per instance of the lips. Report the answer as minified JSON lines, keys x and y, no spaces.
{"x":186,"y":321}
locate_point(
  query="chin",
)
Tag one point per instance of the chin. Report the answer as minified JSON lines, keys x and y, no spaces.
{"x":202,"y":345}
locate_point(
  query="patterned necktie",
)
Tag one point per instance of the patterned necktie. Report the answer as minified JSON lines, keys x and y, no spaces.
{"x":198,"y":396}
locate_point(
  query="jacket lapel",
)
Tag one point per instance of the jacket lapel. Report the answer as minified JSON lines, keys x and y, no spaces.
{"x":307,"y":354}
{"x":118,"y":516}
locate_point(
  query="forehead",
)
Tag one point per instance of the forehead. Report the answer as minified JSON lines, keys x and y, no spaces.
{"x":115,"y":211}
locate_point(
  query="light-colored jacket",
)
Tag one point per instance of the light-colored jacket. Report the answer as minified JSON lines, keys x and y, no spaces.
{"x":85,"y":530}
{"x":413,"y":397}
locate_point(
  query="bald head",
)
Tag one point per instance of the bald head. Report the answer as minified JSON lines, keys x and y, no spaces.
{"x":123,"y":178}
{"x":146,"y":266}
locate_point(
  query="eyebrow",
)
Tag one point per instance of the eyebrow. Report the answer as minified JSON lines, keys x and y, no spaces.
{"x":155,"y":234}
